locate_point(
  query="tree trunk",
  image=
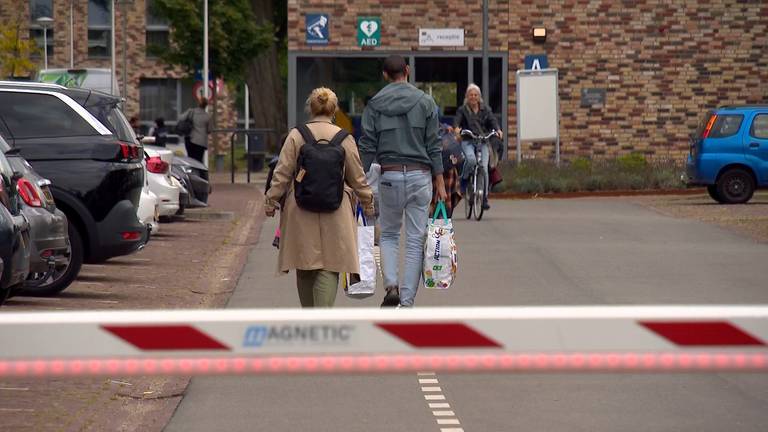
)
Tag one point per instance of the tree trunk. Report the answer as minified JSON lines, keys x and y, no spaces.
{"x":268,"y":95}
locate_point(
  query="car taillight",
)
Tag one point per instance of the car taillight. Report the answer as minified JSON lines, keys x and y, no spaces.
{"x":29,"y":193}
{"x":128,"y":152}
{"x":710,"y":123}
{"x":131,"y":235}
{"x":157,"y":165}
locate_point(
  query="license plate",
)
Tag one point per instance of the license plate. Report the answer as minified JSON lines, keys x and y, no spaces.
{"x":48,"y":196}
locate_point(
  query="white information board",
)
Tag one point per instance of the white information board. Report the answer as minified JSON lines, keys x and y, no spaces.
{"x":537,"y":105}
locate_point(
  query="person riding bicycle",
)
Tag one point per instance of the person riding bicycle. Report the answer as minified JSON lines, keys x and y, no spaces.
{"x":477,"y":117}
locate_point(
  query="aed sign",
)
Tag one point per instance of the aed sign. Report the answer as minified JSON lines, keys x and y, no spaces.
{"x":369,"y":31}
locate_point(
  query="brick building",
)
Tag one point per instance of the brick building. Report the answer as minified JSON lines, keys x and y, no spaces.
{"x":659,"y":63}
{"x":80,"y":38}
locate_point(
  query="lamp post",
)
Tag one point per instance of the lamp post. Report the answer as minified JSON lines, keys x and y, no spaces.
{"x":205,"y":49}
{"x":45,"y":23}
{"x":124,"y":12}
{"x":71,"y":34}
{"x":113,"y":66}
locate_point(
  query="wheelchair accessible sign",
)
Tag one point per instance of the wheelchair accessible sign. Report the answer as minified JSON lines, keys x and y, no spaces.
{"x":369,"y":31}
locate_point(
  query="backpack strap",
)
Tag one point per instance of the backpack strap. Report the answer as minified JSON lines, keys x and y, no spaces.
{"x":306,"y":134}
{"x":340,"y":136}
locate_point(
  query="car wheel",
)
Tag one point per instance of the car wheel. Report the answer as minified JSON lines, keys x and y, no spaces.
{"x":712,"y":191}
{"x":735,"y":186}
{"x":4,"y":294}
{"x":66,"y":270}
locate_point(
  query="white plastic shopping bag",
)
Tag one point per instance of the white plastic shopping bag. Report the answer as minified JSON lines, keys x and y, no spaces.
{"x":440,"y":253}
{"x":363,"y":284}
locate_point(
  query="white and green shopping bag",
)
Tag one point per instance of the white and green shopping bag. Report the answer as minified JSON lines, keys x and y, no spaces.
{"x":440,"y":254}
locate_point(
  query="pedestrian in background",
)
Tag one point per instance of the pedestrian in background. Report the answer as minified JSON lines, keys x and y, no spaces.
{"x":318,"y":245}
{"x":400,"y":132}
{"x":135,"y":125}
{"x":197,"y":140}
{"x":160,"y":132}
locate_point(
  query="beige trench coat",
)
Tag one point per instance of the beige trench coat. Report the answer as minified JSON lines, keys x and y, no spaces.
{"x":309,"y":240}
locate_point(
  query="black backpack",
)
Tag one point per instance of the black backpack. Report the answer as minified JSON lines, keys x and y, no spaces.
{"x":319,"y":181}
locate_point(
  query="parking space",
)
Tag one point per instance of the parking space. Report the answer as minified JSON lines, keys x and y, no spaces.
{"x":192,"y":263}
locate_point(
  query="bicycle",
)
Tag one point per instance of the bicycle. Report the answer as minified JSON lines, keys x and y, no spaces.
{"x":476,"y":187}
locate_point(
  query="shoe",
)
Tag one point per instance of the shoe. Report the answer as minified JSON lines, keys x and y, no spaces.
{"x":392,"y":299}
{"x":486,"y":206}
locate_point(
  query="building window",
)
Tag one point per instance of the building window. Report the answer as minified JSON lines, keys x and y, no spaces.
{"x":39,"y":9}
{"x":157,"y":31}
{"x":164,"y":97}
{"x":99,"y":25}
{"x":354,"y":79}
{"x":36,"y":33}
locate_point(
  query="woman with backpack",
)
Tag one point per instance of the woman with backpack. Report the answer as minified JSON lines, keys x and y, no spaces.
{"x":317,"y":172}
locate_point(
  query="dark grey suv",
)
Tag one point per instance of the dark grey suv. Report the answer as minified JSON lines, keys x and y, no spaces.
{"x":80,"y":140}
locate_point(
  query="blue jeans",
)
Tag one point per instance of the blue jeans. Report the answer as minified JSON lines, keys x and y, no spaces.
{"x":470,"y":161}
{"x":404,"y":194}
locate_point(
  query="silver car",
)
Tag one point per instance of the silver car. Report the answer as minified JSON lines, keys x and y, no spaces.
{"x":50,"y":267}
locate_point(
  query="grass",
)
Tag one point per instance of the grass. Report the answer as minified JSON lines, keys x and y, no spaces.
{"x":629,"y":172}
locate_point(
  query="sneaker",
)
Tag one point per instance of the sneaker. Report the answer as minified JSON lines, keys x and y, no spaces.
{"x":392,"y":299}
{"x":486,"y":206}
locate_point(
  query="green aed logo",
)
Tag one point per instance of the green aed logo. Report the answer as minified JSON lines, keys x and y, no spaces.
{"x":369,"y":31}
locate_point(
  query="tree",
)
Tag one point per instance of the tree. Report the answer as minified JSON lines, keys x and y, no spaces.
{"x":234,"y":36}
{"x":15,"y":52}
{"x":263,"y":74}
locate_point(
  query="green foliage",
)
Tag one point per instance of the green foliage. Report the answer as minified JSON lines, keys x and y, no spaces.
{"x":15,"y":52}
{"x":233,"y":35}
{"x":631,"y":172}
{"x":632,"y":162}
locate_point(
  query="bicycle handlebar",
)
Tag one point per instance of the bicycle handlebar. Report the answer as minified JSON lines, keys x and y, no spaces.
{"x":469,"y":133}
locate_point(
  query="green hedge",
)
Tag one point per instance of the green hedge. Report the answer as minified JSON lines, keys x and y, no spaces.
{"x":629,"y":172}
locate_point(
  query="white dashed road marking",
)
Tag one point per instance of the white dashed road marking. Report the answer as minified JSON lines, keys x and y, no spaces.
{"x":443,"y":414}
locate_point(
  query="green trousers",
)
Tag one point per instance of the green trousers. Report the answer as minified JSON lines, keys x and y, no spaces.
{"x":317,"y":288}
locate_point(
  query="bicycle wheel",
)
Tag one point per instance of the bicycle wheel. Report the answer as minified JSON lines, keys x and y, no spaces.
{"x":477,"y":202}
{"x":468,"y":197}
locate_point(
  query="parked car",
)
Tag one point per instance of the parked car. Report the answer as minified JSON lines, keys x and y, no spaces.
{"x":50,"y":267}
{"x":14,"y":233}
{"x":80,"y":140}
{"x":729,"y":153}
{"x":161,"y":183}
{"x":149,"y":207}
{"x":191,"y":173}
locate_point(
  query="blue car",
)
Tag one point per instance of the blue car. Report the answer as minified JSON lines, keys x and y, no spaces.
{"x":729,"y":153}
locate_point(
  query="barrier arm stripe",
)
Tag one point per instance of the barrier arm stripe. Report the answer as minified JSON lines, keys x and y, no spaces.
{"x":261,"y":341}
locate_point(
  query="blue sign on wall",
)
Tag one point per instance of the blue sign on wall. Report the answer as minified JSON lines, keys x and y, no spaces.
{"x":317,"y":29}
{"x":536,"y":62}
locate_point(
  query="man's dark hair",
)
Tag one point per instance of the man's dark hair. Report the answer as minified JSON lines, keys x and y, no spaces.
{"x":160,"y":122}
{"x":394,"y":66}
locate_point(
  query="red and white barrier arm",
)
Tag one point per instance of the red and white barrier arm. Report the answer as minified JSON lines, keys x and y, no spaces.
{"x":262,"y":341}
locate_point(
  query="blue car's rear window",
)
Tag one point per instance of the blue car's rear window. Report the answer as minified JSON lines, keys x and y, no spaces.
{"x":726,"y":125}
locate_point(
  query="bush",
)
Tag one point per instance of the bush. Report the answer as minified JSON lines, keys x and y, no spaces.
{"x":631,"y":171}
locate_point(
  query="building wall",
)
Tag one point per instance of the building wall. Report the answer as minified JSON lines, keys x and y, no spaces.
{"x":662,"y":63}
{"x":139,"y":64}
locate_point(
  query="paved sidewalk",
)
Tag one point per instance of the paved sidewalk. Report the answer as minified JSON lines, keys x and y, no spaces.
{"x":191,"y":263}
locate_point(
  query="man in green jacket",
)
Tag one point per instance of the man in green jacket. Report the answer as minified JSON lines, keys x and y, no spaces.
{"x":400,"y":126}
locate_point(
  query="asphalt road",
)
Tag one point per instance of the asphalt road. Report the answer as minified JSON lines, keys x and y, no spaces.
{"x":558,"y":252}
